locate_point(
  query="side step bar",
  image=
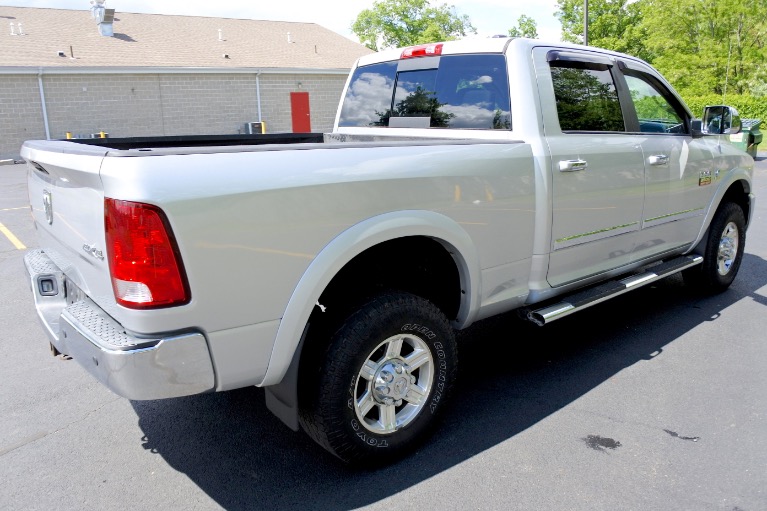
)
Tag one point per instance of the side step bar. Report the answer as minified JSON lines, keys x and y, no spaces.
{"x":586,"y":298}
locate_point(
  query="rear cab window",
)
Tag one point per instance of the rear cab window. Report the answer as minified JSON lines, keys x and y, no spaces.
{"x":449,"y":91}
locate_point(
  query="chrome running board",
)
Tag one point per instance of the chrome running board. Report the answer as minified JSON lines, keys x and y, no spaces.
{"x":584,"y":299}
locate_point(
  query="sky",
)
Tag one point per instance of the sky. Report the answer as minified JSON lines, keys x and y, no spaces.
{"x":489,"y":17}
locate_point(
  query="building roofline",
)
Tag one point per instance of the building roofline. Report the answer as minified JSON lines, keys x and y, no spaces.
{"x":164,"y":15}
{"x":49,"y":70}
{"x":68,"y":38}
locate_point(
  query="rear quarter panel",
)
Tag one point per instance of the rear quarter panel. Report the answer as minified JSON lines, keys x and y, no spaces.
{"x":248,"y":225}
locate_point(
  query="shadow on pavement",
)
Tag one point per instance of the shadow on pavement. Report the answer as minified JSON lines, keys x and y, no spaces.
{"x":513,"y":375}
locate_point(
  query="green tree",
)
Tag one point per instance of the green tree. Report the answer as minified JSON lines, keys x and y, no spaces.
{"x":526,"y":27}
{"x":702,"y":47}
{"x":396,"y":23}
{"x":705,"y":46}
{"x":419,"y":103}
{"x":613,"y":24}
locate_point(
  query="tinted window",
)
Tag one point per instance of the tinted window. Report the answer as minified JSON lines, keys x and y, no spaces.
{"x":586,"y":97}
{"x":369,"y":94}
{"x":464,"y":91}
{"x":656,"y":114}
{"x":416,"y":96}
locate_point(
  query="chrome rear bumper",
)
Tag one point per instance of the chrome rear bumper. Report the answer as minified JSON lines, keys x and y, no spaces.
{"x":135,"y":367}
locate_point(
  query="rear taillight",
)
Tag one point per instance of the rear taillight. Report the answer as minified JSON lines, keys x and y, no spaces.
{"x":143,"y":257}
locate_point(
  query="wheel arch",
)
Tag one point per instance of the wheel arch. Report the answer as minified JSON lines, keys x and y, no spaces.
{"x":737,"y":191}
{"x":355,"y":242}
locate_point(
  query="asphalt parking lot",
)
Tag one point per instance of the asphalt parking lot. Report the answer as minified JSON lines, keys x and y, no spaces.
{"x":656,"y":400}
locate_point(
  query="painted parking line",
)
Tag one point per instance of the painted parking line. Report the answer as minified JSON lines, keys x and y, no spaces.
{"x":13,"y":239}
{"x":14,"y":209}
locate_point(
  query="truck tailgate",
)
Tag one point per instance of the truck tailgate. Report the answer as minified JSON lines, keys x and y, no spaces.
{"x":67,"y":202}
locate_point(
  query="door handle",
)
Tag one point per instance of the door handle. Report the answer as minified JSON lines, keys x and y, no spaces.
{"x":658,"y":159}
{"x":572,"y":165}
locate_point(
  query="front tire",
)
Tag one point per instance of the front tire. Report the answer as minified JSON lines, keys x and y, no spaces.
{"x":384,"y":377}
{"x":723,"y":252}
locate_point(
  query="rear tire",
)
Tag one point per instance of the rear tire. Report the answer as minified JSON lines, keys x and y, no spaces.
{"x":723,"y":252}
{"x":386,"y":374}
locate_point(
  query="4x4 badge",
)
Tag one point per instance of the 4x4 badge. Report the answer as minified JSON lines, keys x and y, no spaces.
{"x":95,"y":252}
{"x":48,"y":206}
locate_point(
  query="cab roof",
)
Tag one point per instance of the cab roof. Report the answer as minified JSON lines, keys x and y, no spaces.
{"x":481,"y":45}
{"x":489,"y":45}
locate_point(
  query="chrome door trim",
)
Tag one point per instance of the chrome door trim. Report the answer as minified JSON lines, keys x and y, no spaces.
{"x":577,"y":239}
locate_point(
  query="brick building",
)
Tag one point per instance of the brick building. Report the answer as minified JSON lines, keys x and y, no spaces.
{"x":164,"y":75}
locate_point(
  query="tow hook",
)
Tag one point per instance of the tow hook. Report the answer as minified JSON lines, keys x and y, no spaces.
{"x":56,"y":353}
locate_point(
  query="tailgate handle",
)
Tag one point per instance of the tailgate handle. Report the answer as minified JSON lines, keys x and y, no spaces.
{"x":572,"y":165}
{"x":658,"y":159}
{"x":38,"y":167}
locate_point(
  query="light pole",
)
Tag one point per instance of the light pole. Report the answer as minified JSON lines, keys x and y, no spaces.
{"x":586,"y":22}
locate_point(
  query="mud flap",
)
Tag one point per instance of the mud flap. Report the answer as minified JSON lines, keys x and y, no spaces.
{"x":282,"y":399}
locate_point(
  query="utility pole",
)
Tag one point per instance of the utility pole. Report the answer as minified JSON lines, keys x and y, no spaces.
{"x":586,"y":22}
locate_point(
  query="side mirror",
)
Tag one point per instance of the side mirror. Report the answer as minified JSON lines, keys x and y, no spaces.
{"x":736,"y":125}
{"x":721,"y":120}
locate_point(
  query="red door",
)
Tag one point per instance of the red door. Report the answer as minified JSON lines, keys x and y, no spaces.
{"x":299,"y":111}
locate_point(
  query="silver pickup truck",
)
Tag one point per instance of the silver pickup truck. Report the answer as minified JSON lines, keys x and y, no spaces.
{"x":461,"y":180}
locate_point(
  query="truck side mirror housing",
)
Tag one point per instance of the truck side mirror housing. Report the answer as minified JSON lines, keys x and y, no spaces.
{"x":721,"y":120}
{"x":696,"y":128}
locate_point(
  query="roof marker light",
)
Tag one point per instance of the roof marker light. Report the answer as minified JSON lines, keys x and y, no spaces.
{"x":422,"y":50}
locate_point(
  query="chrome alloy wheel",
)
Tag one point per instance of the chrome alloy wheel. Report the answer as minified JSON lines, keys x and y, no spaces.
{"x":393,"y":384}
{"x":728,"y":248}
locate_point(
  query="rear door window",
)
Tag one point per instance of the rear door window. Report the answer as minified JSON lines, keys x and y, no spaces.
{"x":454,"y":91}
{"x":586,"y":96}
